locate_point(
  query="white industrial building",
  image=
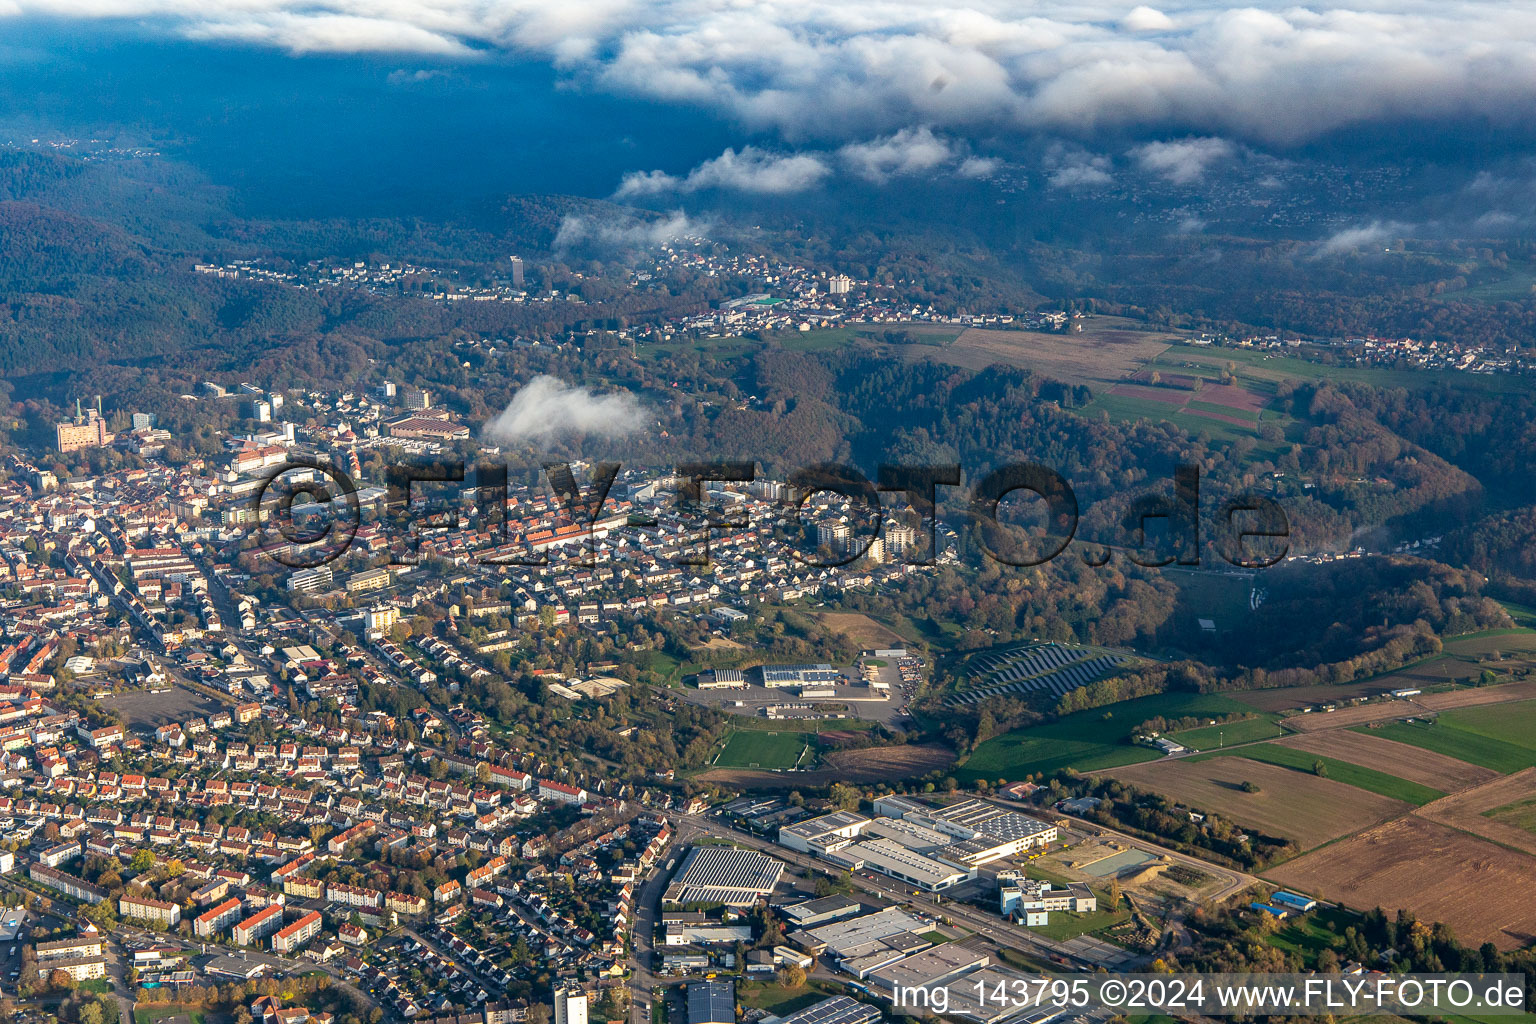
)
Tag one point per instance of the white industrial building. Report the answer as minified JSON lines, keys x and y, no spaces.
{"x":825,"y":834}
{"x":891,"y":858}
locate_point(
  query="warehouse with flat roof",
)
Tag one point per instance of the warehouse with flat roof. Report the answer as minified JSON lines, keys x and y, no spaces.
{"x":824,"y":834}
{"x":798,"y":675}
{"x":891,"y":858}
{"x":840,"y":937}
{"x":819,"y":911}
{"x":836,"y":1010}
{"x":928,"y":968}
{"x":724,"y":874}
{"x":711,"y":1002}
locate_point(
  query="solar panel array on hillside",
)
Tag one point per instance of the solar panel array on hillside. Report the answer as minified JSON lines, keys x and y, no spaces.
{"x":1049,"y":667}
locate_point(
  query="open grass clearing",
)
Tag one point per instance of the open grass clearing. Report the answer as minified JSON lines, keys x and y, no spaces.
{"x":1214,"y":737}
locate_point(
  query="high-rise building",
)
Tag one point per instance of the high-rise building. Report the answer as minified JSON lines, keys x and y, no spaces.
{"x":417,"y":398}
{"x":517,"y":271}
{"x":570,"y":1006}
{"x":88,"y":430}
{"x":832,"y":535}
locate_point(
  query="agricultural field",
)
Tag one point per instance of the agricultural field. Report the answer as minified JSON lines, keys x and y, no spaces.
{"x":1439,"y":873}
{"x":861,"y":630}
{"x":1291,"y":698}
{"x":1086,"y":740}
{"x":720,"y":348}
{"x":1231,"y":404}
{"x":927,"y":336}
{"x":1385,"y":784}
{"x":1504,"y":693}
{"x":1524,"y":615}
{"x":751,"y":748}
{"x":1254,"y":365}
{"x":1503,"y":811}
{"x":1350,"y":717}
{"x":1501,"y":737}
{"x":1464,"y":659}
{"x":1288,"y":803}
{"x":1520,"y":814}
{"x":1106,"y":350}
{"x":1200,"y":402}
{"x":1414,"y":764}
{"x":867,"y":765}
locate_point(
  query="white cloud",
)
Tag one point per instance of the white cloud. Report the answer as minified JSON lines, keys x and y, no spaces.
{"x":1364,"y":236}
{"x":624,"y":230}
{"x":751,"y":170}
{"x":1183,"y":161}
{"x":400,"y":76}
{"x":1269,"y":72}
{"x":1074,"y":167}
{"x":1147,"y":19}
{"x":547,"y":408}
{"x":978,"y":167}
{"x":909,"y":151}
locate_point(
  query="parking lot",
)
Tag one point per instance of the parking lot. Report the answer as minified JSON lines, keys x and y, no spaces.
{"x":145,"y":709}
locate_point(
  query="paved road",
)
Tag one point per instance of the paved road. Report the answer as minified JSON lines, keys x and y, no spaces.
{"x":117,"y":974}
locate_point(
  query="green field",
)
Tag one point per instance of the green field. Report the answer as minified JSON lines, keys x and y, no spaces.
{"x":1223,"y":410}
{"x":1267,"y":366}
{"x":782,"y":1000}
{"x":1520,"y":814}
{"x":1065,"y":926}
{"x":1129,"y":408}
{"x":1524,"y":615}
{"x":1211,"y":737}
{"x":756,"y":749}
{"x":1309,"y":934}
{"x":153,"y":1014}
{"x":1497,"y":736}
{"x":1087,"y":740}
{"x":927,"y":335}
{"x":1367,"y":779}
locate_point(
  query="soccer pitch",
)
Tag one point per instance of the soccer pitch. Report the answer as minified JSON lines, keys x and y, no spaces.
{"x":755,"y":749}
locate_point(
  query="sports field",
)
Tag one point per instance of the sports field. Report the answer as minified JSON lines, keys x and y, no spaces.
{"x":757,"y":749}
